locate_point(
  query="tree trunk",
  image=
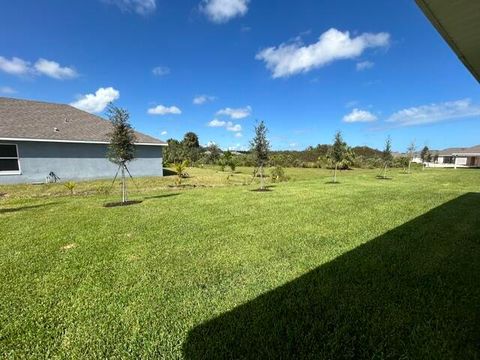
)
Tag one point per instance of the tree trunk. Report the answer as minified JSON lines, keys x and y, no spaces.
{"x":124,"y":185}
{"x":409,"y":167}
{"x":262,"y":181}
{"x":335,"y":173}
{"x":385,"y":171}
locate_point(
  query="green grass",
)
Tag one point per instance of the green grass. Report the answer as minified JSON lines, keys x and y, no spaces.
{"x":363,"y":269}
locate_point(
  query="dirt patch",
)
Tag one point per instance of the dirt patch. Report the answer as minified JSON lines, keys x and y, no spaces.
{"x":68,"y":247}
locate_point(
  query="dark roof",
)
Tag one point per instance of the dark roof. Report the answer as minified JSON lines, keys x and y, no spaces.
{"x":35,"y":120}
{"x":450,"y":151}
{"x":457,"y":150}
{"x":471,"y":150}
{"x":458,"y":22}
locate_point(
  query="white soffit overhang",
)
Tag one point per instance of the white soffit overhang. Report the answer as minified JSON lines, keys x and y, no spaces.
{"x":458,"y":21}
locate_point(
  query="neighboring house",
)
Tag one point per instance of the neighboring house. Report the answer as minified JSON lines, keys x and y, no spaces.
{"x":456,"y":157}
{"x":40,"y":140}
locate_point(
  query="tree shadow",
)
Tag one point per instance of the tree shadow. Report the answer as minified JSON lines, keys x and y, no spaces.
{"x":23,"y":208}
{"x":161,"y":196}
{"x":411,"y":293}
{"x":120,"y":203}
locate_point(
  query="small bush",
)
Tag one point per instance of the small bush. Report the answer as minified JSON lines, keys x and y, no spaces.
{"x":70,"y":185}
{"x":278,"y":174}
{"x":104,"y":190}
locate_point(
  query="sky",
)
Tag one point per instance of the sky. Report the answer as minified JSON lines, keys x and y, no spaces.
{"x":308,"y":68}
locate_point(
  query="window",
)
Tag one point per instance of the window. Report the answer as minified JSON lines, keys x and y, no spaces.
{"x":9,"y":162}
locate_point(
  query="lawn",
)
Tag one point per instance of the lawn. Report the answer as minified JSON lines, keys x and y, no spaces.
{"x":367,"y":268}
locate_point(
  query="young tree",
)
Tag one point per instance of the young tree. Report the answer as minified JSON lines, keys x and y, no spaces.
{"x":122,"y":142}
{"x":337,"y":153}
{"x":260,"y":148}
{"x":411,"y":153}
{"x":387,"y":155}
{"x":425,"y":155}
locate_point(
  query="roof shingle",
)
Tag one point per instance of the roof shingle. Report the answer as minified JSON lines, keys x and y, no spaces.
{"x":27,"y":119}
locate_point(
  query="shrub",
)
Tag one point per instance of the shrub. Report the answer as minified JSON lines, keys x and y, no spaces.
{"x":180,"y":170}
{"x":70,"y":185}
{"x":278,"y":174}
{"x":104,"y":189}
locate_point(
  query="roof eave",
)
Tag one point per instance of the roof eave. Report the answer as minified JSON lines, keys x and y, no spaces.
{"x":75,"y":141}
{"x":441,"y":29}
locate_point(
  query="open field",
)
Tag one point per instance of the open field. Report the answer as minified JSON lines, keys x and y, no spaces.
{"x":366,"y":268}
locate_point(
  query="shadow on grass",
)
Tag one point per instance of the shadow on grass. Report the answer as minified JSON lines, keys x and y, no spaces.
{"x":161,"y":196}
{"x":23,"y":208}
{"x":333,"y":182}
{"x":169,"y":172}
{"x":119,"y":203}
{"x":381,"y":177}
{"x":410,"y":293}
{"x":266,"y":189}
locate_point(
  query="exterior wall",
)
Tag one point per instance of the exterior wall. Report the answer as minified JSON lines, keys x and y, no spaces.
{"x":461,"y":161}
{"x":440,"y":160}
{"x":77,"y":162}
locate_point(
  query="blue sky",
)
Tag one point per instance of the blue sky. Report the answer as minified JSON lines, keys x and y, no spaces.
{"x":307,"y":68}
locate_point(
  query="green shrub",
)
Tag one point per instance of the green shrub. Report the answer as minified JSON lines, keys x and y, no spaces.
{"x":70,"y":185}
{"x":278,"y":174}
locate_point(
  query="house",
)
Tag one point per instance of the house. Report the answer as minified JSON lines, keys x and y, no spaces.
{"x":459,"y":157}
{"x":456,"y":157}
{"x":40,"y":141}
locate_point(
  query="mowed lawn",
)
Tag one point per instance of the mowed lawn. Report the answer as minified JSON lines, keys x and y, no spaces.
{"x":368,"y":268}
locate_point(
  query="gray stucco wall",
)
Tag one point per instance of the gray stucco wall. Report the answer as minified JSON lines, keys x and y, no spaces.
{"x":77,"y":162}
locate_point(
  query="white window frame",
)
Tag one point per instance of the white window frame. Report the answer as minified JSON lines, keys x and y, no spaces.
{"x":12,"y":172}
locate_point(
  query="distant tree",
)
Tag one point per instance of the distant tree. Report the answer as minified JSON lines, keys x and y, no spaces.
{"x":212,"y":154}
{"x":191,"y":146}
{"x":174,"y":152}
{"x":403,"y":162}
{"x":122,"y":142}
{"x":228,"y":160}
{"x":260,"y":147}
{"x":411,"y":153}
{"x":337,"y":153}
{"x":387,"y":156}
{"x":425,"y":155}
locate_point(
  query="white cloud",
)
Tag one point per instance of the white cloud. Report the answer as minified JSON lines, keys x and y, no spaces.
{"x":20,"y":67}
{"x":14,"y":66}
{"x":164,"y":110}
{"x":358,"y":115}
{"x":233,"y":127}
{"x":202,"y":99}
{"x":433,"y":113}
{"x":160,"y":71}
{"x":364,"y":65}
{"x":54,"y":70}
{"x":217,"y":123}
{"x":142,"y":7}
{"x":292,"y":58}
{"x":236,"y":114}
{"x":238,"y":135}
{"x":164,"y":132}
{"x":221,"y":11}
{"x":7,"y":90}
{"x":228,"y":125}
{"x":95,"y":103}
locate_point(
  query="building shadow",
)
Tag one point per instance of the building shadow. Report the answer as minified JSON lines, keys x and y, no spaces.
{"x":412,"y":293}
{"x":23,"y":208}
